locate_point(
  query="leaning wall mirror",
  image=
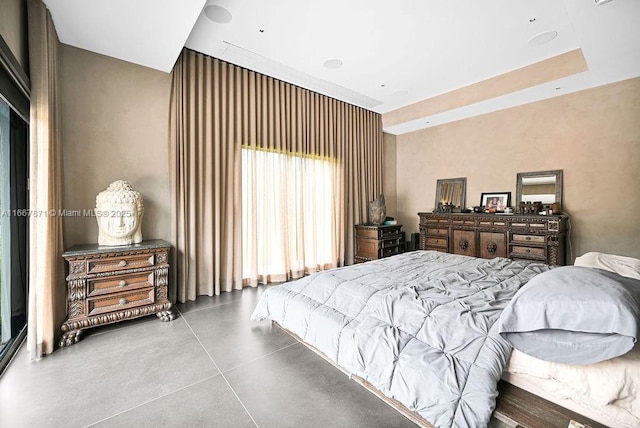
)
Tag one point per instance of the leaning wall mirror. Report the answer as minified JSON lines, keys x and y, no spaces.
{"x":539,"y":186}
{"x":451,"y":193}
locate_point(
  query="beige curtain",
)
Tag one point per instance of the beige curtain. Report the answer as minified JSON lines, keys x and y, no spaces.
{"x":205,"y":166}
{"x":217,"y":108}
{"x":46,"y":268}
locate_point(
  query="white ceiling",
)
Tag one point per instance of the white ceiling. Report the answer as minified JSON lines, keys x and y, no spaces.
{"x":146,"y":32}
{"x":425,"y":48}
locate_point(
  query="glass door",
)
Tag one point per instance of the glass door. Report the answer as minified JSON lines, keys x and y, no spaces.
{"x":5,"y":314}
{"x":13,"y":230}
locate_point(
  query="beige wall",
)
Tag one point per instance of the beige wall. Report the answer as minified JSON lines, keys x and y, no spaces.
{"x":115,"y":126}
{"x":390,"y":173}
{"x":13,"y":28}
{"x":593,"y":135}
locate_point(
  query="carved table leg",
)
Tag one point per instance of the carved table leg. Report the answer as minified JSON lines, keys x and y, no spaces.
{"x":167,"y":315}
{"x":70,"y":337}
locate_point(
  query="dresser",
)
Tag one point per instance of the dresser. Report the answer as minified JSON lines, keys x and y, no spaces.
{"x":377,"y":242}
{"x":108,"y":284}
{"x":519,"y":237}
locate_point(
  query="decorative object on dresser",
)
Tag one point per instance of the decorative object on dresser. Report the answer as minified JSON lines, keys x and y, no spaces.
{"x":518,"y":237}
{"x":377,"y":210}
{"x":376,"y":242}
{"x":450,"y":194}
{"x":119,"y":211}
{"x":111,"y":284}
{"x":495,"y":201}
{"x":537,"y":191}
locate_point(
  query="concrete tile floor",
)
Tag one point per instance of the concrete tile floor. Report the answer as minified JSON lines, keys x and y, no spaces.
{"x":210,"y":367}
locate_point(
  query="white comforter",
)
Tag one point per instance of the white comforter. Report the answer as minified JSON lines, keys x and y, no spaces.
{"x":420,"y":327}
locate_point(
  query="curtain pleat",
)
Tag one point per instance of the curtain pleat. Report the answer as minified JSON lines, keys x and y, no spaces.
{"x":46,"y":268}
{"x":216,"y":109}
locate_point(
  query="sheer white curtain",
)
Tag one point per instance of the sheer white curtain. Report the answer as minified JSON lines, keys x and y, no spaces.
{"x":289,"y":215}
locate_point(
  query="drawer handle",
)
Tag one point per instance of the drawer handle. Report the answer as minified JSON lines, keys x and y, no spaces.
{"x":123,"y":301}
{"x":122,"y":263}
{"x":528,"y":250}
{"x":463,"y":244}
{"x":122,"y":283}
{"x":528,"y":238}
{"x":492,"y":248}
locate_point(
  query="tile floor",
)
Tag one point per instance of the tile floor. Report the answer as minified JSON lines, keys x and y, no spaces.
{"x":210,"y":367}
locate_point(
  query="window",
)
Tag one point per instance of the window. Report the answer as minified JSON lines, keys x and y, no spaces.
{"x":13,"y":228}
{"x":14,"y":135}
{"x":289,"y":215}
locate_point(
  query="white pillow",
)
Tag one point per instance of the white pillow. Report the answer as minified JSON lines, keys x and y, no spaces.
{"x":625,"y":266}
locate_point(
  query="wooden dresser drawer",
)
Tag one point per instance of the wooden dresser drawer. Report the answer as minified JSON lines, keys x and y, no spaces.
{"x":529,"y":252}
{"x":489,"y":223}
{"x":493,"y":245}
{"x":437,"y":231}
{"x":367,"y":248}
{"x":534,"y":239}
{"x":120,"y":263}
{"x":393,"y":242}
{"x":119,"y":283}
{"x":373,"y":249}
{"x":438,"y":242}
{"x":464,"y":242}
{"x":387,"y":252}
{"x":119,"y":301}
{"x":432,"y":220}
{"x":467,"y":222}
{"x":377,"y":232}
{"x":529,"y":224}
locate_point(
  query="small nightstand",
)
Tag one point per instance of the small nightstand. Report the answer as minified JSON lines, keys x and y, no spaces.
{"x":377,"y":242}
{"x":108,"y":284}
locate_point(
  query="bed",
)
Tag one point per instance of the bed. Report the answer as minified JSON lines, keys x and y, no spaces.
{"x":605,"y":391}
{"x":421,"y":328}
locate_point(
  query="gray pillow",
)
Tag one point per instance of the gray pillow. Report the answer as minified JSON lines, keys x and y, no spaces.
{"x":574,"y":315}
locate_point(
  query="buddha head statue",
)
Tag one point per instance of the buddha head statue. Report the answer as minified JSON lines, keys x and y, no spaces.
{"x":119,"y":211}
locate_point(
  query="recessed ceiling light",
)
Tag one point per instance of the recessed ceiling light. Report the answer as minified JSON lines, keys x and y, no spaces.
{"x":333,"y":63}
{"x":400,"y":92}
{"x":217,"y":14}
{"x":542,"y":38}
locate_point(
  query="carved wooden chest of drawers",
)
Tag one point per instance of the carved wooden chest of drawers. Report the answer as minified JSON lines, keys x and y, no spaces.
{"x":519,"y":237}
{"x":108,"y":284}
{"x":377,"y":242}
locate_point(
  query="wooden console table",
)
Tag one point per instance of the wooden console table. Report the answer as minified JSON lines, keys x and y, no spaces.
{"x":519,"y":237}
{"x":107,"y":284}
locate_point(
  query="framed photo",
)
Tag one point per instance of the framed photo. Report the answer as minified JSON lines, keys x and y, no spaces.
{"x":495,"y":200}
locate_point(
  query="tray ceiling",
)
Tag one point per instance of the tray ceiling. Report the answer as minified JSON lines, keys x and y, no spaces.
{"x":419,"y":63}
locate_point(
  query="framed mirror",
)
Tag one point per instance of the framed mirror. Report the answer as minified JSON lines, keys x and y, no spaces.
{"x":451,"y":192}
{"x":539,"y":186}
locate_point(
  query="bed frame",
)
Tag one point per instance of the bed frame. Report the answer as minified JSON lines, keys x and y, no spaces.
{"x":515,"y":407}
